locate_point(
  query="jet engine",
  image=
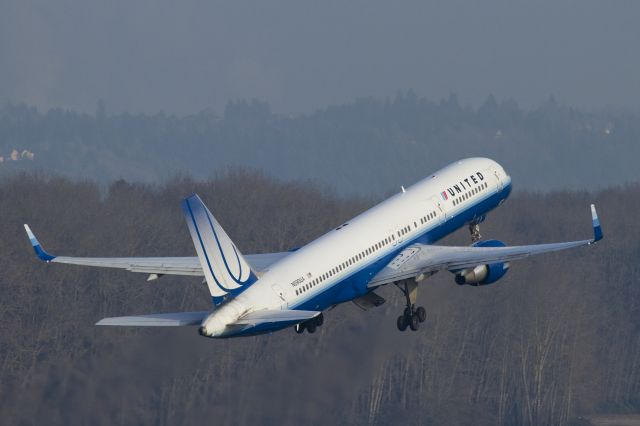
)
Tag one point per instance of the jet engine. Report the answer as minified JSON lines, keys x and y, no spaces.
{"x":483,"y":274}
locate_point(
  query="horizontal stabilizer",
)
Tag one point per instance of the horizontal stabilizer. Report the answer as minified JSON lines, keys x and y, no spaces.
{"x":173,"y":319}
{"x":274,"y":316}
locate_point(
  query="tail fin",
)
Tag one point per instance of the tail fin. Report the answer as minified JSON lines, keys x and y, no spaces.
{"x":225,"y":269}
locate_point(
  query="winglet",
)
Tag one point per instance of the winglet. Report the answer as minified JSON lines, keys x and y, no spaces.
{"x":597,"y":230}
{"x":43,"y":255}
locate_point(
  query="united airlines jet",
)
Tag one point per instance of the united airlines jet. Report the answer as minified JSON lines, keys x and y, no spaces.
{"x":391,"y":243}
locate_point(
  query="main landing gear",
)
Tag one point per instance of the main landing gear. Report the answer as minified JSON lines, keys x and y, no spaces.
{"x":311,"y":325}
{"x":412,"y":315}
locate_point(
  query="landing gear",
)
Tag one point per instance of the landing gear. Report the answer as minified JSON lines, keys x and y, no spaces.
{"x":412,"y":315}
{"x":474,"y":230}
{"x":311,"y":326}
{"x":414,"y":322}
{"x":402,"y":323}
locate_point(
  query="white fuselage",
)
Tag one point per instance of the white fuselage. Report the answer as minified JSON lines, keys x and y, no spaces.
{"x":338,"y":265}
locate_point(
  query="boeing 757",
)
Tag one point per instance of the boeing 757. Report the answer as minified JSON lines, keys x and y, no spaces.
{"x":391,"y":243}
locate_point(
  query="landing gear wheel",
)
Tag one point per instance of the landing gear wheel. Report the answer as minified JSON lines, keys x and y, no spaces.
{"x":421,"y":313}
{"x":311,"y":328}
{"x":319,"y":320}
{"x":402,"y":323}
{"x":299,"y":328}
{"x":414,"y":322}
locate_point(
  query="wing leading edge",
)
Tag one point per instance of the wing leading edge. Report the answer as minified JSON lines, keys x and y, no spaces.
{"x":425,"y":259}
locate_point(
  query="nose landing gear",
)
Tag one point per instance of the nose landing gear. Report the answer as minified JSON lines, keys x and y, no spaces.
{"x":474,"y":230}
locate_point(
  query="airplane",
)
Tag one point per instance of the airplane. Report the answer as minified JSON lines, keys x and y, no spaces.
{"x":391,"y":243}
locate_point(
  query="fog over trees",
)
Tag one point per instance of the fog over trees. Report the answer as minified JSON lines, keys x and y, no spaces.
{"x":369,"y":146}
{"x":556,"y":339}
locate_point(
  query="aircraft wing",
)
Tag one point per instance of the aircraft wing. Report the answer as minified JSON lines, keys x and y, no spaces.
{"x":149,"y":265}
{"x":426,"y":259}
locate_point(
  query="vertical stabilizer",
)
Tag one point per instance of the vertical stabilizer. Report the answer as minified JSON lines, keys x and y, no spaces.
{"x":225,"y":269}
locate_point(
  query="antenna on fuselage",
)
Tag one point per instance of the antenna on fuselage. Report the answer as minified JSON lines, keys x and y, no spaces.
{"x":403,"y":190}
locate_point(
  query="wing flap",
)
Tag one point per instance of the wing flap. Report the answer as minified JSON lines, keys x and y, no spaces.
{"x":275,"y":316}
{"x":173,"y":319}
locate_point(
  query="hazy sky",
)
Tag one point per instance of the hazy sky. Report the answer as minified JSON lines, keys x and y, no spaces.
{"x":183,"y":56}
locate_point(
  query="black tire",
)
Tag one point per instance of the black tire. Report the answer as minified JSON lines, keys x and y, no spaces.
{"x":402,"y":324}
{"x":421,"y":313}
{"x":299,"y":328}
{"x":311,"y":328}
{"x":319,"y":320}
{"x":414,"y":322}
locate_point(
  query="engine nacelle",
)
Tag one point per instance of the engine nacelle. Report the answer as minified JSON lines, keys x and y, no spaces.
{"x":483,"y":274}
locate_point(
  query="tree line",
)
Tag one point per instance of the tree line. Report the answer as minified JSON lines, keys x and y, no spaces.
{"x":558,"y":338}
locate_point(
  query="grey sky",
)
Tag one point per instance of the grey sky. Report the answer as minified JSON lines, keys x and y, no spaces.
{"x":183,"y":56}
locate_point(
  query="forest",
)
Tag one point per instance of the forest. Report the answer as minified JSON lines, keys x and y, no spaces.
{"x":369,"y":146}
{"x":556,"y":340}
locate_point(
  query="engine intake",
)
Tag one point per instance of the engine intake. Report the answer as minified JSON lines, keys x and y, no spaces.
{"x":483,"y":274}
{"x":472,"y":276}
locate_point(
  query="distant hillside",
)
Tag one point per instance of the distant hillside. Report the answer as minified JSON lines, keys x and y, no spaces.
{"x":368,"y":146}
